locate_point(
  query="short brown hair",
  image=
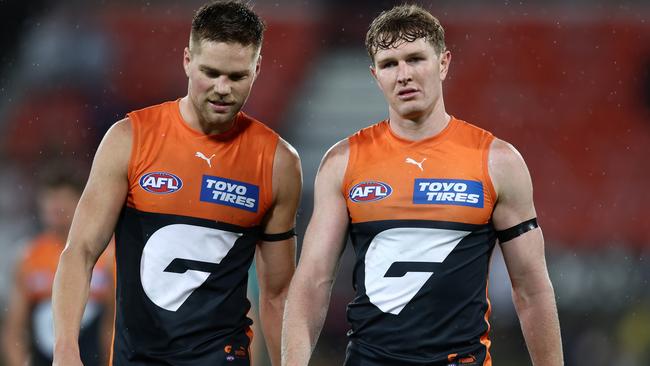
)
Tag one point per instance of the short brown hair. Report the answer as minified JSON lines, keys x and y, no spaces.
{"x":404,"y":23}
{"x":227,"y":21}
{"x":59,"y":175}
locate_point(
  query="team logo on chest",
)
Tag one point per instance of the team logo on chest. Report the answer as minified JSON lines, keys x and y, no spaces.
{"x":208,"y":160}
{"x":370,"y":191}
{"x":230,"y":192}
{"x":417,"y":163}
{"x":161,"y":182}
{"x":457,"y":192}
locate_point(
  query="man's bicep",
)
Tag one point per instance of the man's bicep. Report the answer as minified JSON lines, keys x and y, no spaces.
{"x":513,"y":184}
{"x":325,"y":236}
{"x":287,"y":188}
{"x":104,"y":194}
{"x":276,"y":254}
{"x":324,"y":240}
{"x":524,"y":249}
{"x":525,"y":260}
{"x":275,"y":263}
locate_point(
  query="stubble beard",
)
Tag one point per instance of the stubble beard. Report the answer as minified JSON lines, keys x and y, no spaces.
{"x":211,"y":118}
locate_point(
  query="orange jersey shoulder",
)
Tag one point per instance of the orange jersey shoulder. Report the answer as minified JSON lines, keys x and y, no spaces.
{"x":39,"y":263}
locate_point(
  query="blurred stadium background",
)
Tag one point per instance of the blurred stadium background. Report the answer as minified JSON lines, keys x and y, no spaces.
{"x":567,"y":82}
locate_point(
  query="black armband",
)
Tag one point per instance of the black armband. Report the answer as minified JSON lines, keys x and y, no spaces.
{"x":279,"y":237}
{"x":517,"y":230}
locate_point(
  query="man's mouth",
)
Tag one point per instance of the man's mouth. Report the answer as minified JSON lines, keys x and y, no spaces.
{"x":407,"y":93}
{"x":220,"y":102}
{"x":220,"y":106}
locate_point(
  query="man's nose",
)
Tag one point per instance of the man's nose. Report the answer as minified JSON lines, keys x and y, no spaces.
{"x":404,"y":73}
{"x":222,"y":85}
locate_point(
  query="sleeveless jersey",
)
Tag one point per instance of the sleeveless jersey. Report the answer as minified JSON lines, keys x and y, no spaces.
{"x":421,"y":230}
{"x":35,"y":277}
{"x":186,"y":238}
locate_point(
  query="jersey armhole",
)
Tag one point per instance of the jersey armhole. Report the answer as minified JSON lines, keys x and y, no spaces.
{"x":352,"y":156}
{"x":135,"y":149}
{"x":486,"y":143}
{"x":270,"y":197}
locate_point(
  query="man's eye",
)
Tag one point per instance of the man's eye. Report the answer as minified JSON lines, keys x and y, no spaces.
{"x":211,"y":74}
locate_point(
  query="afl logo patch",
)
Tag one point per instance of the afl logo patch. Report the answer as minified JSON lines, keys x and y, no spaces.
{"x":370,"y":191}
{"x":161,"y":183}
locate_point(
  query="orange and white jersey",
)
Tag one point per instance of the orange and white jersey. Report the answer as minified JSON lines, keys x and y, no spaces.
{"x":187,"y":236}
{"x":420,"y":216}
{"x":36,"y":271}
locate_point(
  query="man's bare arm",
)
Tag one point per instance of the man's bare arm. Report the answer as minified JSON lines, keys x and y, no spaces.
{"x":533,"y":293}
{"x":324,"y":242}
{"x":108,"y":301}
{"x":276,"y":260}
{"x":92,"y":228}
{"x":15,"y":330}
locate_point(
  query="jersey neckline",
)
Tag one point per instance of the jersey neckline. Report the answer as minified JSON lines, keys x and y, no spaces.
{"x":435,"y":139}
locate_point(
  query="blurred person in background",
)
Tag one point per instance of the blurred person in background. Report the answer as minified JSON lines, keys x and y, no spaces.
{"x":193,"y":189}
{"x":424,"y":196}
{"x":28,"y":336}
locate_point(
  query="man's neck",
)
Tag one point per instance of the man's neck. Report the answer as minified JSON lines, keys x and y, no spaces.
{"x":419,"y":127}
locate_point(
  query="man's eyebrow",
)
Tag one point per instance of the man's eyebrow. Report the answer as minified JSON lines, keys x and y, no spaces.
{"x":392,"y":58}
{"x":213,"y":70}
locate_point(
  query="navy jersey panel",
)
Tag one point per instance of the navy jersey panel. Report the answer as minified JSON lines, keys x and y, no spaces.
{"x":443,"y":310}
{"x":90,"y":349}
{"x":181,"y":290}
{"x":359,"y":354}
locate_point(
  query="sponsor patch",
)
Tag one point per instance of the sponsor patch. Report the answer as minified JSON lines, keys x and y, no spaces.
{"x":457,"y":192}
{"x":456,"y":361}
{"x":370,"y":191}
{"x":161,"y":182}
{"x":241,"y":352}
{"x":229,"y":192}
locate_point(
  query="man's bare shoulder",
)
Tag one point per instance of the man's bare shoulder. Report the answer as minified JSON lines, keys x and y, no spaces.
{"x":115,"y":148}
{"x":337,"y":155}
{"x":513,"y":185}
{"x":121,"y":129}
{"x":286,"y":154}
{"x":506,"y":166}
{"x":504,"y":153}
{"x":287,"y":179}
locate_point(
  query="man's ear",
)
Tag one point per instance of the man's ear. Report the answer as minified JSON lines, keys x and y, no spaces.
{"x":258,"y":65}
{"x":187,"y":58}
{"x":373,"y":72}
{"x":445,"y":61}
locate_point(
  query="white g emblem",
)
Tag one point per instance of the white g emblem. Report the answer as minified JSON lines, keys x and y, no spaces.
{"x":177,"y":259}
{"x":399,"y":261}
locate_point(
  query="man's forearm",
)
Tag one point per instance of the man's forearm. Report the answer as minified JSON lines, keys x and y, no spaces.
{"x":305,"y":314}
{"x":541,"y":327}
{"x":69,"y":296}
{"x":271,"y":312}
{"x":14,"y":348}
{"x":15,"y":333}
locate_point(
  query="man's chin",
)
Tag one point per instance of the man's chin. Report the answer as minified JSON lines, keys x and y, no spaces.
{"x":219,"y":118}
{"x":411,"y":113}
